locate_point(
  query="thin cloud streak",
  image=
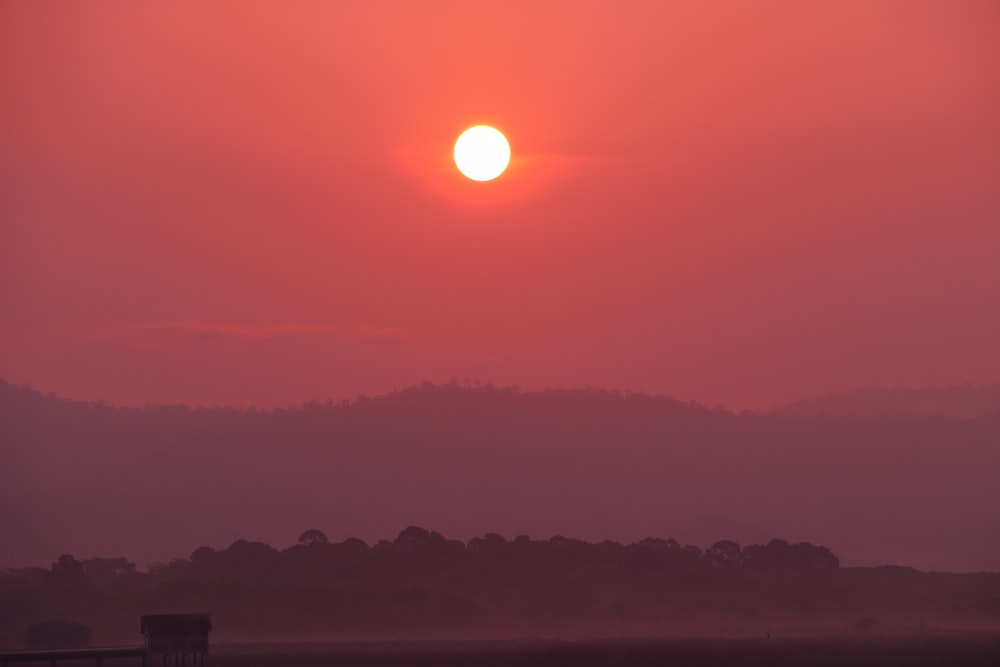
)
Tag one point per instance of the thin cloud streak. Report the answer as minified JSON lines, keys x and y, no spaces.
{"x":213,"y":330}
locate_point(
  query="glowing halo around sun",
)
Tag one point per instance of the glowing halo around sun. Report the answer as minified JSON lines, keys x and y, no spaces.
{"x":482,"y":153}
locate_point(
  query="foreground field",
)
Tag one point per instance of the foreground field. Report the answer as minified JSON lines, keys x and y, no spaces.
{"x":953,"y":651}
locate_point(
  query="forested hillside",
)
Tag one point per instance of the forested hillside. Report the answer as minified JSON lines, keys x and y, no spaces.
{"x":155,"y":483}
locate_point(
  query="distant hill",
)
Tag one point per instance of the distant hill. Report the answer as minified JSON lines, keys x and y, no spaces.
{"x":151,"y":483}
{"x":957,"y":402}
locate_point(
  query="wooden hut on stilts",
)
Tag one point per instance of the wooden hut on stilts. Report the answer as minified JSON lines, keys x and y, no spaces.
{"x":181,"y":636}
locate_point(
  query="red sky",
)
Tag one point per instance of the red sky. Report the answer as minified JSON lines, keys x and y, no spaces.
{"x":253,"y":202}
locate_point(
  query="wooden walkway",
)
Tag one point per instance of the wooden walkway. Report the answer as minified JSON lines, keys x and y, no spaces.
{"x":54,"y":655}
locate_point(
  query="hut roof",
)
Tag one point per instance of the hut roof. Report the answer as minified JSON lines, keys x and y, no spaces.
{"x":175,"y":624}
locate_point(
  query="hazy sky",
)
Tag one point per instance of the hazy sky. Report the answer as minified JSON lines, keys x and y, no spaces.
{"x":253,"y":202}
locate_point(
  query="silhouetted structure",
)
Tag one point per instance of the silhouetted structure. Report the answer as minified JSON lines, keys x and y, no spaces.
{"x":177,"y":635}
{"x":53,"y":655}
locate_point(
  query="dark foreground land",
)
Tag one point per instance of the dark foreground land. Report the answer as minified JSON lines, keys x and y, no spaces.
{"x":956,"y":651}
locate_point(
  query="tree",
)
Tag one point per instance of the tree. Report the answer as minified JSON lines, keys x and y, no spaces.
{"x":490,"y":545}
{"x":67,"y":570}
{"x":780,"y":556}
{"x":311,"y":537}
{"x":203,"y":555}
{"x":412,"y":539}
{"x":725,"y":553}
{"x":103,"y":569}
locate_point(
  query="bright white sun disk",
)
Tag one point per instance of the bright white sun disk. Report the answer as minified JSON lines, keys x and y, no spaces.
{"x":482,"y":153}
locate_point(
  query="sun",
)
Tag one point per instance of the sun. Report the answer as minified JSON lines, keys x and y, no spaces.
{"x":482,"y":153}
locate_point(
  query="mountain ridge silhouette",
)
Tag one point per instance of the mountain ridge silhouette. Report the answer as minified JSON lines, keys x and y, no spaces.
{"x":142,"y":482}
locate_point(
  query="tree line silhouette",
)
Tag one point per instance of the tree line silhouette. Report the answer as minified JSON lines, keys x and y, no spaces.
{"x":423,"y":584}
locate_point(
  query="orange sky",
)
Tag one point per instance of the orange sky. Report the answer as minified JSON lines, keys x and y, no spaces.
{"x":253,"y":203}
